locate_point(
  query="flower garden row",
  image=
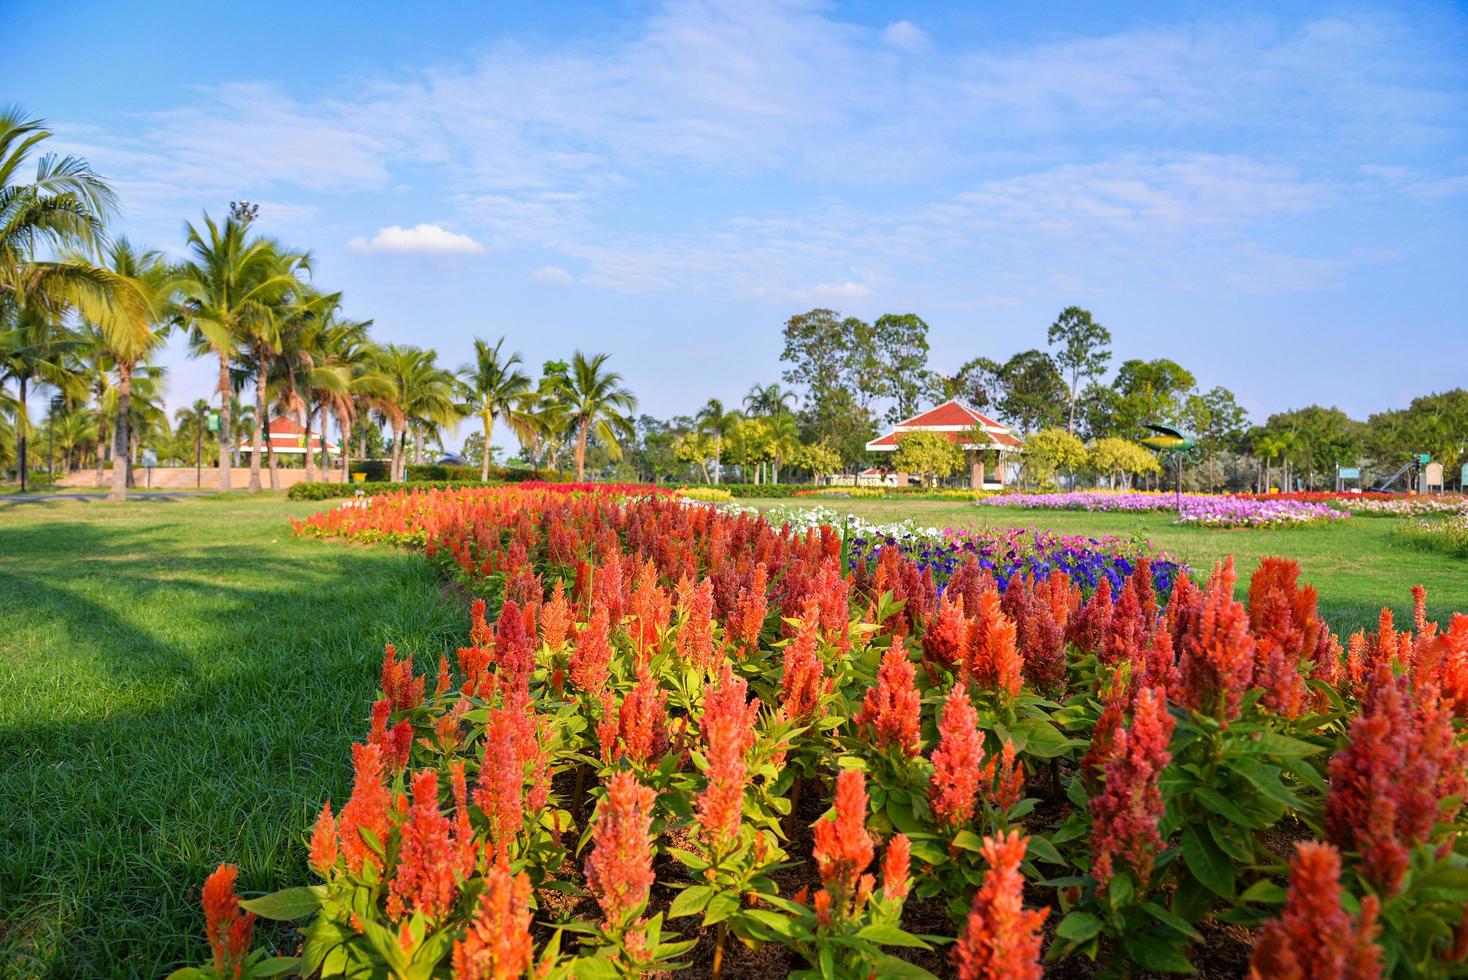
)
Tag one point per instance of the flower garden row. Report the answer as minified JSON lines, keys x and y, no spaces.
{"x":1246,"y":510}
{"x":680,"y":736}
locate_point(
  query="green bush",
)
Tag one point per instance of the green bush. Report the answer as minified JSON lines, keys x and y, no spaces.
{"x":711,"y":495}
{"x":442,"y":472}
{"x":763,"y":489}
{"x":375,"y":469}
{"x":330,"y":491}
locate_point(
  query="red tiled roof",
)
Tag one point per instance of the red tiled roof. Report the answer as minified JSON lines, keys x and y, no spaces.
{"x":953,"y":416}
{"x":957,"y":438}
{"x":284,"y":425}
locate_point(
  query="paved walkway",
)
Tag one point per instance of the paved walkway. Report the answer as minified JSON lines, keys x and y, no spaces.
{"x":43,"y":498}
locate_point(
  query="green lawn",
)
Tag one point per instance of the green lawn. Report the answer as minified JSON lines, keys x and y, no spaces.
{"x":1353,"y":564}
{"x":180,"y":680}
{"x":179,"y":685}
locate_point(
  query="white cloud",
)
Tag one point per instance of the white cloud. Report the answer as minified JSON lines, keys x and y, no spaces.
{"x":429,"y":239}
{"x":906,"y":36}
{"x":835,"y":291}
{"x":552,"y":275}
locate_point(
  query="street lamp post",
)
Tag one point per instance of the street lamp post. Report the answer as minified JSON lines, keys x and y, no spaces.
{"x":57,"y":403}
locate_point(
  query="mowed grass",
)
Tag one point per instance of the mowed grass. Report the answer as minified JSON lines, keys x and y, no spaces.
{"x":180,"y":682}
{"x":1354,"y":564}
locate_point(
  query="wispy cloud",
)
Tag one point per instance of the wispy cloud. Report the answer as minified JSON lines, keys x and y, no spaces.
{"x":551,"y":275}
{"x":430,"y":239}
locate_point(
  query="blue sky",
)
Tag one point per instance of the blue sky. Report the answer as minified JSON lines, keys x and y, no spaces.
{"x":1275,"y":195}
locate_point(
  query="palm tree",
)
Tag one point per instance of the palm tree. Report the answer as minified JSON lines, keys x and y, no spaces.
{"x":229,"y":281}
{"x":597,"y":403}
{"x":264,"y":333}
{"x":35,"y":348}
{"x":65,"y":207}
{"x":769,"y":400}
{"x":715,"y":422}
{"x":132,"y":323}
{"x":492,"y":389}
{"x":418,"y":392}
{"x":544,"y":420}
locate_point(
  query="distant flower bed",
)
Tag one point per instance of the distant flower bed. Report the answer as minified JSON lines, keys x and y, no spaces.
{"x":1205,"y":510}
{"x":1438,"y":533}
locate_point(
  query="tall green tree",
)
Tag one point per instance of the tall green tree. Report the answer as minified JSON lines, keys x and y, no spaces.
{"x":716,"y":422}
{"x":597,"y":403}
{"x":493,"y":385}
{"x":894,"y":351}
{"x":418,"y":392}
{"x":1217,"y":420}
{"x":1034,"y":391}
{"x":36,"y":347}
{"x":1084,"y":350}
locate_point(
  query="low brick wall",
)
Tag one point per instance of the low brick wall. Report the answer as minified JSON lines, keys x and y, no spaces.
{"x":185,"y":478}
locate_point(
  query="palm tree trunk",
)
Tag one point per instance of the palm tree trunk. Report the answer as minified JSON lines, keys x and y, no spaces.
{"x":101,"y":441}
{"x":581,"y":435}
{"x":392,"y":466}
{"x":346,"y":434}
{"x":261,"y":437}
{"x":310,"y":453}
{"x":22,"y":422}
{"x":121,"y":451}
{"x":224,"y":393}
{"x":484,"y":463}
{"x":362,"y":443}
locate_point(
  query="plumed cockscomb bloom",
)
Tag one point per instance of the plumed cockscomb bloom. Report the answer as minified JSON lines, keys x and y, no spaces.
{"x":651,"y":608}
{"x":958,"y":763}
{"x":802,"y":681}
{"x":991,"y":660}
{"x":1215,"y":650}
{"x":1114,"y":708}
{"x":1314,"y":938}
{"x":728,"y":734}
{"x":1002,"y":939}
{"x":513,"y":652}
{"x":396,"y":743}
{"x":695,"y":640}
{"x":947,"y":633}
{"x":366,"y":810}
{"x":591,"y":661}
{"x":1009,"y":786}
{"x":843,"y":848}
{"x":896,"y":865}
{"x":556,"y":619}
{"x":399,"y":686}
{"x":638,"y":730}
{"x":228,"y":927}
{"x":500,"y":792}
{"x":498,"y":944}
{"x":324,"y":841}
{"x":750,"y":611}
{"x":891,"y":712}
{"x":1442,"y":662}
{"x":619,"y":869}
{"x":426,"y":878}
{"x":1087,"y":628}
{"x":1041,"y":636}
{"x":1125,"y":814}
{"x":1402,"y":773}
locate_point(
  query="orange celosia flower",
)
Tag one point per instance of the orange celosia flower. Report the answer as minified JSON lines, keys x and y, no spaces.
{"x":639,"y":729}
{"x":426,"y":878}
{"x":556,"y":619}
{"x":1010,"y":787}
{"x":991,"y":660}
{"x":366,"y":810}
{"x":801,"y":682}
{"x":501,"y":788}
{"x":619,"y":869}
{"x":512,"y":649}
{"x":1001,"y":938}
{"x":843,"y":849}
{"x":497,"y":944}
{"x":958,"y":762}
{"x":1314,"y":937}
{"x":891,"y":712}
{"x":749,"y":614}
{"x":1216,"y":651}
{"x":728,"y":734}
{"x":396,"y":744}
{"x":399,"y":686}
{"x":695,"y":640}
{"x":591,"y":661}
{"x":228,"y":927}
{"x":947,"y":632}
{"x":896,"y":864}
{"x":324,"y":841}
{"x":1125,"y":814}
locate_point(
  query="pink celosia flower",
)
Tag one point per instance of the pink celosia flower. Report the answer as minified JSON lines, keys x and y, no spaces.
{"x":619,"y":869}
{"x":1125,"y":814}
{"x":1216,"y":651}
{"x":1001,"y":938}
{"x":1315,"y":937}
{"x":891,"y":712}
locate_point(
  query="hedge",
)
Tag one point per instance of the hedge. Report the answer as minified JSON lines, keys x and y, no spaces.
{"x":328,"y":491}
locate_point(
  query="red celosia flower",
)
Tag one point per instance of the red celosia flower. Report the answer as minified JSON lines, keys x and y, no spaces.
{"x":1103,"y":737}
{"x":497,"y":944}
{"x":399,"y":686}
{"x":366,"y":810}
{"x":324,"y":841}
{"x":1216,"y":652}
{"x":1315,"y":937}
{"x":947,"y":632}
{"x":501,"y":788}
{"x":556,"y":619}
{"x":619,"y":869}
{"x":891,"y":712}
{"x":639,"y":729}
{"x":1041,"y":636}
{"x":1087,"y":629}
{"x":591,"y":662}
{"x":896,"y":864}
{"x":1395,"y":779}
{"x":396,"y":744}
{"x":1001,"y":938}
{"x":1129,"y":628}
{"x":464,"y":840}
{"x":801,"y":682}
{"x":728,"y":734}
{"x":991,"y":659}
{"x":843,"y":849}
{"x":426,"y":878}
{"x":958,"y":762}
{"x":749,"y":614}
{"x":695,"y":640}
{"x":512,"y":650}
{"x":228,"y":927}
{"x":1124,"y":815}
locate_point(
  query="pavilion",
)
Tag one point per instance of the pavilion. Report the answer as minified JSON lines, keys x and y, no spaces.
{"x":288,"y":438}
{"x":958,"y":423}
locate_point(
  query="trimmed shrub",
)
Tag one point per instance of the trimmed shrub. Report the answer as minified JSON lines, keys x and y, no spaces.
{"x":331,"y":491}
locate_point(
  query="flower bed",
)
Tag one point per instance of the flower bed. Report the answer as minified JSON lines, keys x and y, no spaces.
{"x":1379,"y":504}
{"x":1208,"y":510}
{"x":684,"y":738}
{"x":1448,"y":534}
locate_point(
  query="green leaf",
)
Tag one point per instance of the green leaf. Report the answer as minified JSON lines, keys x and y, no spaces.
{"x":721,"y":906}
{"x":1266,"y":780}
{"x":1273,"y":743}
{"x":1222,"y":805}
{"x":1045,"y":851}
{"x":690,"y":901}
{"x":1207,"y":863}
{"x":191,"y":973}
{"x":1151,"y":953}
{"x":285,"y":905}
{"x":1079,"y":926}
{"x":891,"y":966}
{"x":594,"y":968}
{"x":1172,"y":920}
{"x":1266,"y":891}
{"x":968,"y":841}
{"x":888,"y":935}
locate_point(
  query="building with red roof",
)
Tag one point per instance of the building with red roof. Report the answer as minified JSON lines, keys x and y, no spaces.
{"x":960,"y":424}
{"x":288,"y":437}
